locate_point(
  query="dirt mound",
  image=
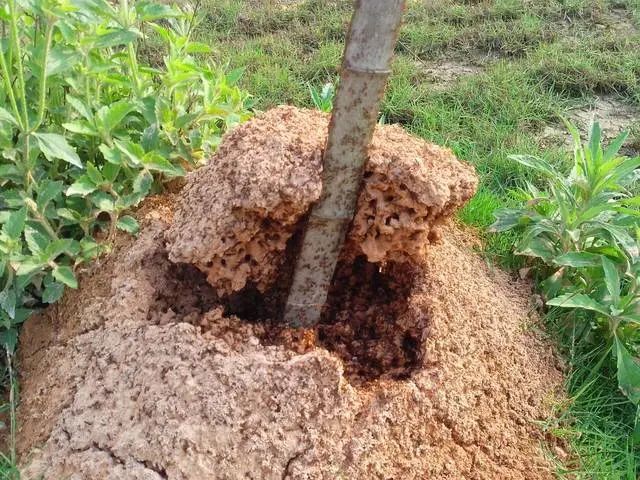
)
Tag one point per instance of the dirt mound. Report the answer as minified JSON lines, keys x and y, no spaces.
{"x":109,"y":392}
{"x":238,"y":212}
{"x":424,"y":369}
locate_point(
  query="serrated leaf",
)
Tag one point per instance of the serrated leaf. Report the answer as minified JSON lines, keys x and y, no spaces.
{"x":55,"y":146}
{"x":65,"y":275}
{"x":8,"y":301}
{"x":5,"y":116}
{"x":111,"y":116}
{"x":83,"y":186}
{"x":110,"y":172}
{"x":53,"y":292}
{"x":14,"y":225}
{"x":47,"y":191}
{"x":128,"y":224}
{"x":142,"y":182}
{"x":94,"y":174}
{"x":35,"y":240}
{"x":103,"y":201}
{"x":28,"y":267}
{"x":80,"y":107}
{"x":156,"y":162}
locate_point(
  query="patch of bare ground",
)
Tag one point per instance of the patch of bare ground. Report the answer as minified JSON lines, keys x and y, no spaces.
{"x":426,"y":365}
{"x":613,"y":113}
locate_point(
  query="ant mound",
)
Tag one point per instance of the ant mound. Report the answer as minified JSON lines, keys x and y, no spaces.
{"x":163,"y":366}
{"x":238,"y":212}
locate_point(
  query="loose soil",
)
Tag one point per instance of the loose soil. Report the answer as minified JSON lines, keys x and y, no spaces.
{"x":427,"y":364}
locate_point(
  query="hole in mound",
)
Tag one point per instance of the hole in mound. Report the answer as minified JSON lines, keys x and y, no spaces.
{"x":368,"y":322}
{"x":184,"y":296}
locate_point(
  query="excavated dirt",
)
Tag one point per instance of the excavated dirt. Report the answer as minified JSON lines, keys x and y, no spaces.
{"x":425,"y":365}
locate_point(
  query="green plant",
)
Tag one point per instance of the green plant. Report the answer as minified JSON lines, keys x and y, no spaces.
{"x":584,"y":229}
{"x":87,"y":131}
{"x":323,"y":99}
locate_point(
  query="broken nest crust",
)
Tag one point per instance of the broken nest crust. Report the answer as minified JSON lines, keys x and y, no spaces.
{"x":238,"y":212}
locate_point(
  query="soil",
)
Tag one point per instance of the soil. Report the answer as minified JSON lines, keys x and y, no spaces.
{"x":613,"y":114}
{"x":426,"y":364}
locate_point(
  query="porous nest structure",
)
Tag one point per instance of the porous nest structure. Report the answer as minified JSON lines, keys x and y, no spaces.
{"x":168,"y":364}
{"x":239,"y":211}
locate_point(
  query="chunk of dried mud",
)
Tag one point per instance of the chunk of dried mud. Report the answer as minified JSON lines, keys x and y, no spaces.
{"x":237,"y":213}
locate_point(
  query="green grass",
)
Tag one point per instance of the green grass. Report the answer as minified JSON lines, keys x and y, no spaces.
{"x":539,"y":58}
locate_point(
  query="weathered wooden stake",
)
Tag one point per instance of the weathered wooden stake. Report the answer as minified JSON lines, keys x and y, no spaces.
{"x":365,"y":68}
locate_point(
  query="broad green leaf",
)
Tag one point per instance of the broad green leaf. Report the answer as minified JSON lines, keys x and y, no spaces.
{"x":61,"y":59}
{"x":14,"y":225}
{"x":149,"y":11}
{"x":82,"y":187}
{"x":65,"y":275}
{"x":28,"y":267}
{"x":55,"y":146}
{"x":142,"y":182}
{"x":536,"y":163}
{"x":115,"y":37}
{"x":198,"y":47}
{"x":9,"y":339}
{"x":81,"y":127}
{"x":612,"y":279}
{"x":103,"y":201}
{"x":5,"y":116}
{"x":58,"y":247}
{"x":156,"y":162}
{"x":628,"y":372}
{"x":80,"y":107}
{"x":110,"y":172}
{"x":47,"y":191}
{"x":69,"y":214}
{"x":506,"y":219}
{"x":578,"y":300}
{"x":578,"y":259}
{"x":35,"y":240}
{"x":538,"y":247}
{"x":94,"y":174}
{"x":111,"y":116}
{"x":53,"y":292}
{"x":128,"y":224}
{"x":111,"y":154}
{"x":614,"y":147}
{"x":132,"y":151}
{"x":8,"y":301}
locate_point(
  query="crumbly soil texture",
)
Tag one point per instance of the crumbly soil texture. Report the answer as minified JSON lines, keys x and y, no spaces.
{"x":170,"y":361}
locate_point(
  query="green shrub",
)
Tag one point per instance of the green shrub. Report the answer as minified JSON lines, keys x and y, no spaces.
{"x":87,"y":131}
{"x":583,"y":228}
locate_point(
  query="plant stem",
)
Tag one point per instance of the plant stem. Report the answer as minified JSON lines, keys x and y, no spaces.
{"x":43,"y":78}
{"x":17,"y":52}
{"x":9,"y":89}
{"x":12,"y":409}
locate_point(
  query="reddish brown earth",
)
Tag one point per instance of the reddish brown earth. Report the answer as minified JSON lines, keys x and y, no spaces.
{"x":426,"y":365}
